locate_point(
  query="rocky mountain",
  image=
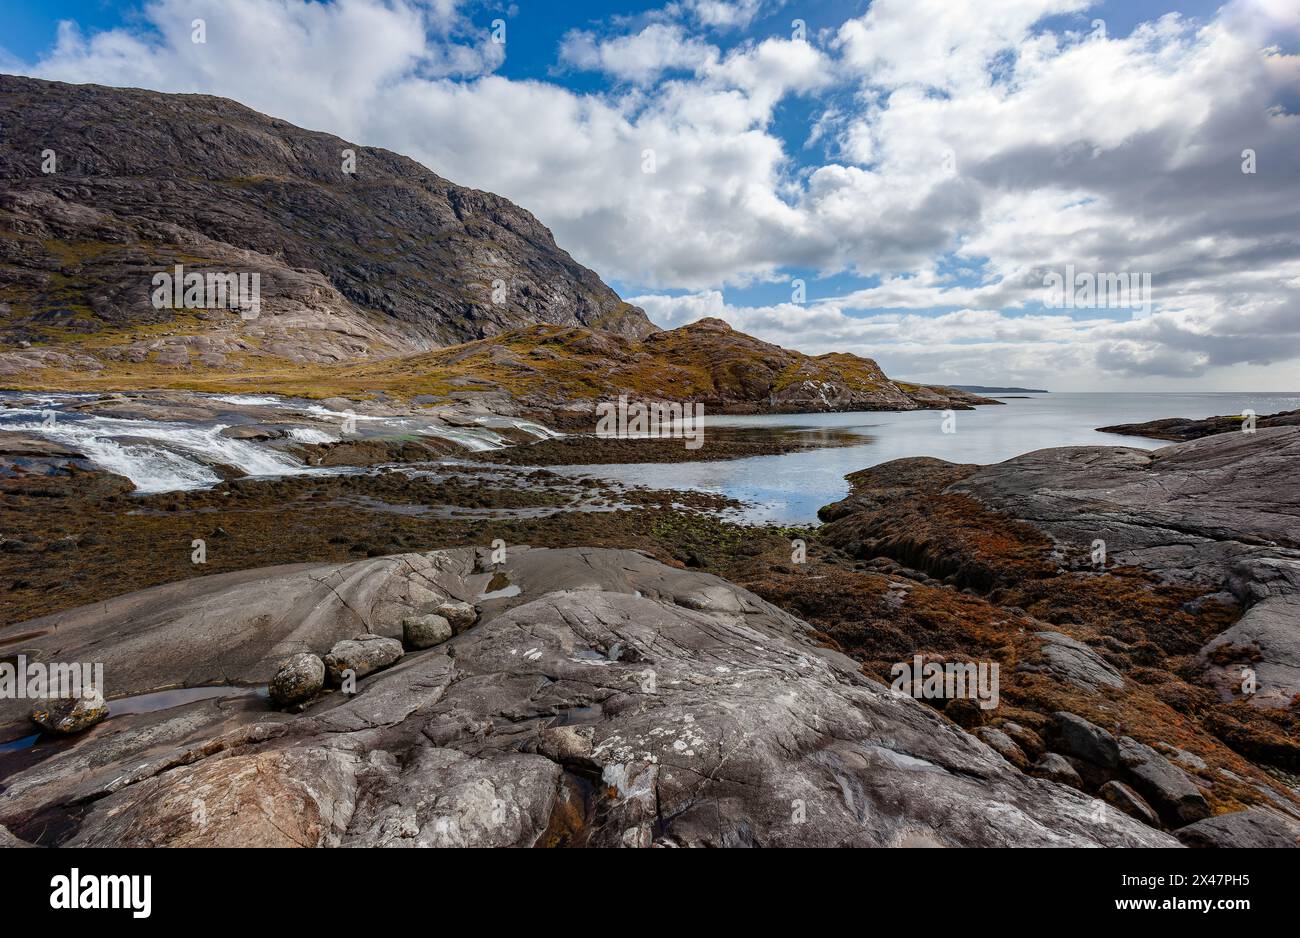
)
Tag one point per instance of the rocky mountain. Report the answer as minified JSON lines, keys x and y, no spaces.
{"x":383,"y":278}
{"x":361,"y":252}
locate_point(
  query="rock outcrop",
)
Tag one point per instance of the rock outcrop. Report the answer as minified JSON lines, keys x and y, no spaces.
{"x":1143,"y":606}
{"x":609,"y":701}
{"x":1182,"y":429}
{"x":1256,"y":828}
{"x":1210,"y":511}
{"x":566,"y":372}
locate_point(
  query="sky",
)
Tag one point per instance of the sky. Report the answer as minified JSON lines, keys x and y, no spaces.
{"x":909,"y":180}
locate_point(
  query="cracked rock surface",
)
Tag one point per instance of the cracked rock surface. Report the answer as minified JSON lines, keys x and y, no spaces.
{"x":612,"y":701}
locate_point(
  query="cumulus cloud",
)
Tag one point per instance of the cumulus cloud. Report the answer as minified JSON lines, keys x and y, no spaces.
{"x":722,"y":14}
{"x":638,"y":57}
{"x":975,"y":150}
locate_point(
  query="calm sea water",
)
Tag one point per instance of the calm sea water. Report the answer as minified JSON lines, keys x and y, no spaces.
{"x":789,"y":489}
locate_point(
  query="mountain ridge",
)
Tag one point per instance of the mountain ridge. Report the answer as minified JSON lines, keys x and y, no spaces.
{"x":390,"y":258}
{"x":387,"y":279}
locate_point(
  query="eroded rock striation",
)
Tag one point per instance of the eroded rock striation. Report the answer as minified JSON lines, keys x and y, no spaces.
{"x":611,"y":700}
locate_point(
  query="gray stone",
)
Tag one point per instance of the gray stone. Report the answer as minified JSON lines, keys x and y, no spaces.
{"x":1076,"y":663}
{"x":1210,"y":511}
{"x":299,"y":679}
{"x":1054,"y":768}
{"x":421,"y":632}
{"x":1003,"y":745}
{"x":1254,"y":827}
{"x":361,"y":656}
{"x":1075,"y":736}
{"x":66,"y":716}
{"x":1164,"y":785}
{"x":1182,"y":756}
{"x":566,"y":744}
{"x":460,"y":615}
{"x":726,"y":726}
{"x":1029,"y":741}
{"x":1130,"y":802}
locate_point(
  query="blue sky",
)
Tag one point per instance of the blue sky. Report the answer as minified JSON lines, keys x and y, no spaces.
{"x":816,"y":160}
{"x":31,"y":25}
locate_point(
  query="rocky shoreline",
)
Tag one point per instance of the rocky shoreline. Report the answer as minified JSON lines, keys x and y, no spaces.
{"x":1182,"y":428}
{"x":769,"y":719}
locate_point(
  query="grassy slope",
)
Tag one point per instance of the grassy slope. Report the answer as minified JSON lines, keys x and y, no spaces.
{"x":567,"y":363}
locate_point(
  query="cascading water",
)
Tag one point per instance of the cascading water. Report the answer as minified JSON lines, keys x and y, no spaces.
{"x":475,"y":440}
{"x":179,"y":460}
{"x":167,"y":456}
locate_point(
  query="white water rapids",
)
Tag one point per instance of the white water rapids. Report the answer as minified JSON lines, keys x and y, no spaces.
{"x":155,"y":456}
{"x":168,"y":456}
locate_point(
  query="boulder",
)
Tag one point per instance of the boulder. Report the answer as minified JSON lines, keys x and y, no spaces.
{"x":1130,"y":802}
{"x":361,"y":656}
{"x":299,"y":679}
{"x":66,"y":716}
{"x":1029,"y":741}
{"x":1054,"y":768}
{"x":256,"y":432}
{"x":1075,"y":736}
{"x":1074,"y":662}
{"x":419,"y":632}
{"x":1003,"y":745}
{"x":1165,"y":786}
{"x":460,"y":615}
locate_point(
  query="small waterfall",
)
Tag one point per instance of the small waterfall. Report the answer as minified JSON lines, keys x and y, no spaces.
{"x":310,"y":435}
{"x":475,"y":440}
{"x":179,"y":460}
{"x":535,"y":429}
{"x":169,"y":456}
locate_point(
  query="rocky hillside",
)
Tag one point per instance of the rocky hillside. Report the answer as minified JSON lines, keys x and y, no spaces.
{"x":567,"y":370}
{"x":559,"y":374}
{"x":389,"y":259}
{"x":386,"y":279}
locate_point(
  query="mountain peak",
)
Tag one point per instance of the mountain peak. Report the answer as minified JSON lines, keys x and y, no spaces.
{"x":711,"y":324}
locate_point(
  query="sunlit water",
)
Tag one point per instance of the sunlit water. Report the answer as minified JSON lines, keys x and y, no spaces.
{"x":789,"y":489}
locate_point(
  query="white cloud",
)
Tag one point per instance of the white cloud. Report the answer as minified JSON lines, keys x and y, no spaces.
{"x":638,"y":57}
{"x":722,"y":14}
